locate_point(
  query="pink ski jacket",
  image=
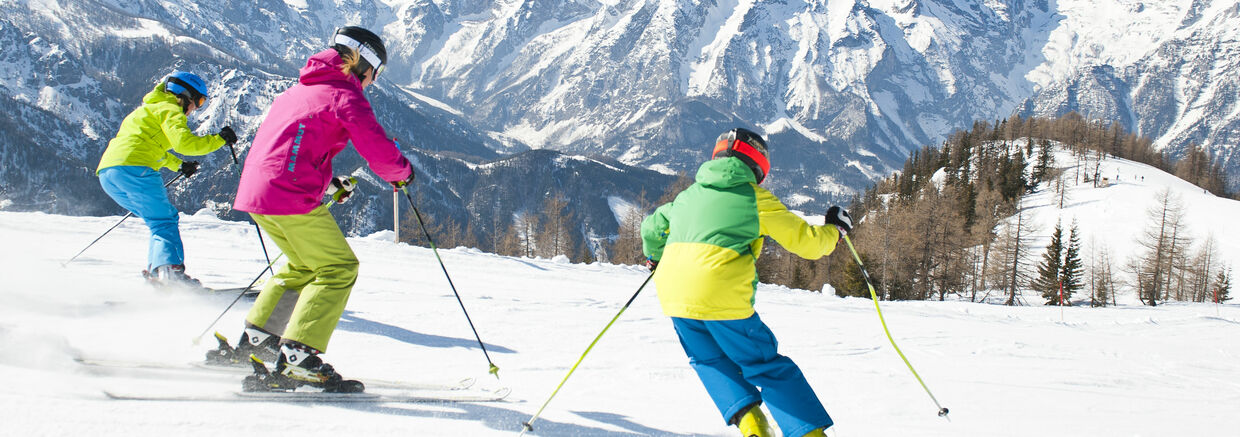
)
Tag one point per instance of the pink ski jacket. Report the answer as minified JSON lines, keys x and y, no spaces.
{"x":290,"y":163}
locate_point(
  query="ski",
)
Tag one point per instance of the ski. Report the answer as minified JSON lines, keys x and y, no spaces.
{"x":315,"y":397}
{"x":249,"y":291}
{"x":212,"y":370}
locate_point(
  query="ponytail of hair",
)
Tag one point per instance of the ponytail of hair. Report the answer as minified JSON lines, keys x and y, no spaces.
{"x":354,"y":64}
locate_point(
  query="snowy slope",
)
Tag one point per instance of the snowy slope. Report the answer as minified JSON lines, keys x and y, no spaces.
{"x":1002,"y":371}
{"x":1115,"y":217}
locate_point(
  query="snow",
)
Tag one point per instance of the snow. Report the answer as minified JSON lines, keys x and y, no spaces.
{"x":1115,"y":217}
{"x":433,"y":102}
{"x":1105,"y":32}
{"x":721,"y":26}
{"x":620,"y":207}
{"x":784,"y":123}
{"x":1012,"y":371}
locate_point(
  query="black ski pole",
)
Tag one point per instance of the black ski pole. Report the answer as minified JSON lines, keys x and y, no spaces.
{"x":866,"y":275}
{"x":122,"y":220}
{"x":529,"y":424}
{"x":234,"y":302}
{"x":257,"y":229}
{"x":494,"y":370}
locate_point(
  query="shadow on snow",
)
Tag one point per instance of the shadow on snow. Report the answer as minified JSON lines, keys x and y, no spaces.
{"x":351,"y":322}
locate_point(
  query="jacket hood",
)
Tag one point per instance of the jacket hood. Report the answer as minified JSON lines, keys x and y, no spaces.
{"x":325,"y":67}
{"x":160,"y":95}
{"x":725,"y":173}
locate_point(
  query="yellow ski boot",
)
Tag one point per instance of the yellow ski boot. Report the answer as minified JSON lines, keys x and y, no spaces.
{"x":754,"y":423}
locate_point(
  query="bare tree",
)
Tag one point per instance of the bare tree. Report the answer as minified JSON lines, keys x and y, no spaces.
{"x":627,"y":247}
{"x":1162,"y":240}
{"x":1102,"y":284}
{"x":556,"y":234}
{"x":1013,"y":256}
{"x":1202,"y":270}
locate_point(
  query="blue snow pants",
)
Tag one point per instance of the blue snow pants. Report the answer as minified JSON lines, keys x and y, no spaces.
{"x":141,"y":191}
{"x":734,"y":358}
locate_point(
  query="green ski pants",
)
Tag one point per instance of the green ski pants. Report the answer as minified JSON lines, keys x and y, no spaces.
{"x":303,"y":301}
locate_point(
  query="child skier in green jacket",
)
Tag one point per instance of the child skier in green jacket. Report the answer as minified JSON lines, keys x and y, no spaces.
{"x":705,"y":244}
{"x":129,"y":168}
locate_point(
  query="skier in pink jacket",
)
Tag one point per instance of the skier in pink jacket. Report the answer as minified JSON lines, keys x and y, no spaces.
{"x":286,"y":174}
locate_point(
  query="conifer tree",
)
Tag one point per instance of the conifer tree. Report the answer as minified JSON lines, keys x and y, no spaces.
{"x":1043,"y":166}
{"x":1048,"y":278}
{"x":1222,"y":285}
{"x":1072,"y":270}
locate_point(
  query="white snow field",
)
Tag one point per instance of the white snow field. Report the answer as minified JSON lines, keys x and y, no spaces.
{"x":1173,"y":370}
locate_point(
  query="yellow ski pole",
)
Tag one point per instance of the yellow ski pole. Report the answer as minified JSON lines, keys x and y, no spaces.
{"x":874,"y":296}
{"x":529,"y":424}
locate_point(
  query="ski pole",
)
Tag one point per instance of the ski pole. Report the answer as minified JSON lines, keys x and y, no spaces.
{"x":234,"y":302}
{"x":493,"y":369}
{"x":529,"y":424}
{"x":873,"y":295}
{"x":257,"y":229}
{"x":122,"y":220}
{"x":243,"y":291}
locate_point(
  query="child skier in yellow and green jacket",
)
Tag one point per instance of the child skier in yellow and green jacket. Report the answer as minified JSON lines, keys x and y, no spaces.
{"x":705,"y":244}
{"x":129,"y":168}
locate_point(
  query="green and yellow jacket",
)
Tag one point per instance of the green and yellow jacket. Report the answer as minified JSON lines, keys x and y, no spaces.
{"x":707,"y":240}
{"x":149,"y":132}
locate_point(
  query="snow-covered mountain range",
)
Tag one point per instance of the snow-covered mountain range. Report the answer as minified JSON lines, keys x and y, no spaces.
{"x":843,"y":89}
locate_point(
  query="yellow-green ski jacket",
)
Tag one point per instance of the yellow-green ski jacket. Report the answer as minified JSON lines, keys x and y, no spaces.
{"x":149,"y":132}
{"x":707,"y":239}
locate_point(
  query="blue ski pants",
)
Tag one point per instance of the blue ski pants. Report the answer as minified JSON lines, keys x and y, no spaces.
{"x":141,"y":191}
{"x":734,"y":358}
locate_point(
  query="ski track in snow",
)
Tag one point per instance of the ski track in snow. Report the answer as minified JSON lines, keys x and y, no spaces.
{"x":1002,"y":371}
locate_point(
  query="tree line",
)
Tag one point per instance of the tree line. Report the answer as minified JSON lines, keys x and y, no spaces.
{"x":951,"y":223}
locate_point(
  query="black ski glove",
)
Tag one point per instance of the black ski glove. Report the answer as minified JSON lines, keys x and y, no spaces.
{"x":228,"y":135}
{"x":341,"y":188}
{"x":651,"y":264}
{"x":839,"y":217}
{"x":188,"y":168}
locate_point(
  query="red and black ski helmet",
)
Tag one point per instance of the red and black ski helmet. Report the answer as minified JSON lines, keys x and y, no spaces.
{"x":747,"y":146}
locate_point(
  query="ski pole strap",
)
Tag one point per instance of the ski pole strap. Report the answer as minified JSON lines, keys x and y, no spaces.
{"x":529,"y":424}
{"x":874,"y":296}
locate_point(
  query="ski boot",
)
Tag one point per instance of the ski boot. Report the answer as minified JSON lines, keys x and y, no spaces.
{"x":254,"y":341}
{"x":752,"y":422}
{"x":172,"y":276}
{"x":299,"y":365}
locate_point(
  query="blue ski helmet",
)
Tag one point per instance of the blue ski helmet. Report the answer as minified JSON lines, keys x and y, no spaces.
{"x":187,"y":84}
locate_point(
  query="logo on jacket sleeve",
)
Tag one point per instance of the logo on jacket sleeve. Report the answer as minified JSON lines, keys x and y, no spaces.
{"x":301,"y":130}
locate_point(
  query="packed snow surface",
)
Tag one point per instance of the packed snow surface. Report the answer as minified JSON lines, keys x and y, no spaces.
{"x":1011,"y":371}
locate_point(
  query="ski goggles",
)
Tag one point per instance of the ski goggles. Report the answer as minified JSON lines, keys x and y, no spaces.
{"x":189,"y":91}
{"x":362,"y":49}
